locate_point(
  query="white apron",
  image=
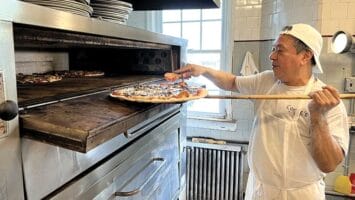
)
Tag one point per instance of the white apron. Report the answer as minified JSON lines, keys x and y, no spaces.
{"x":281,"y":166}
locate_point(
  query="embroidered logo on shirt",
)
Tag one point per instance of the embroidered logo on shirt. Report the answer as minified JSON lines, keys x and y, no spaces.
{"x":304,"y":114}
{"x":292,"y":111}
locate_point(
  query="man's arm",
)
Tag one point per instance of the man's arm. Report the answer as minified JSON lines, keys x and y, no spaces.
{"x":326,"y":152}
{"x":222,"y":79}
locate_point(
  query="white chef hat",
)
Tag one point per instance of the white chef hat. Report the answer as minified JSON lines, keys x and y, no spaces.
{"x":309,"y":36}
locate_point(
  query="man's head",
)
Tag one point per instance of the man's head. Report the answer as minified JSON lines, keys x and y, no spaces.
{"x":295,"y":52}
{"x":308,"y":36}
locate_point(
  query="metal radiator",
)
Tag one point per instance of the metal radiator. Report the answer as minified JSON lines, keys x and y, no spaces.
{"x":214,"y":172}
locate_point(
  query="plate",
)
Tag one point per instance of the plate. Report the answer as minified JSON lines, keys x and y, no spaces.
{"x":111,"y":8}
{"x":63,"y":3}
{"x":113,"y":2}
{"x":87,"y":2}
{"x":70,"y":10}
{"x":108,"y":19}
{"x":111,"y":14}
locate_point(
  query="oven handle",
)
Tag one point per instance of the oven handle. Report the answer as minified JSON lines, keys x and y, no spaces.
{"x":8,"y":110}
{"x":140,"y":188}
{"x":130,"y":134}
{"x":150,"y":123}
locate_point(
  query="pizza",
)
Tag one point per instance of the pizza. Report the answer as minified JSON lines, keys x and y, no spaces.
{"x":93,"y":73}
{"x":163,"y":92}
{"x":53,"y":76}
{"x":77,"y":73}
{"x":37,"y":78}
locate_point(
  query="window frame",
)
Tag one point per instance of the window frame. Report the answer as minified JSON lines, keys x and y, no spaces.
{"x":225,"y":113}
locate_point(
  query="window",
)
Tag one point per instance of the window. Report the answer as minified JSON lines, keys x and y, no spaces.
{"x":203,"y":30}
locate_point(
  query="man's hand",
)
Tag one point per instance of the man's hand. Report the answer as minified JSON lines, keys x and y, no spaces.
{"x":191,"y":70}
{"x":325,"y":150}
{"x":171,"y":76}
{"x":221,"y":79}
{"x":323,"y":100}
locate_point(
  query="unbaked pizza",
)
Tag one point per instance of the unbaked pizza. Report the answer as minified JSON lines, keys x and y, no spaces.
{"x":163,"y":92}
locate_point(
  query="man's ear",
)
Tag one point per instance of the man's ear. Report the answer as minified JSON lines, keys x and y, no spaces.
{"x":307,"y":56}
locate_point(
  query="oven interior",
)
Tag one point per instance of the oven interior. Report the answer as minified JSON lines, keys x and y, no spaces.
{"x":123,"y":61}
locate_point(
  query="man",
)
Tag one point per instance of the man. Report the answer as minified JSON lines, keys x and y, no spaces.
{"x":293,"y":142}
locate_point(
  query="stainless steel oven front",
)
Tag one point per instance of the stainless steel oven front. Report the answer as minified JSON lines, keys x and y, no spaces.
{"x":116,"y":149}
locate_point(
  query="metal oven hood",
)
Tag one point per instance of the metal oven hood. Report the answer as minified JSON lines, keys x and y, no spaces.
{"x":173,"y":4}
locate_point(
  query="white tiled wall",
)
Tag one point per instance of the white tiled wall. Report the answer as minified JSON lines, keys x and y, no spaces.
{"x":337,"y":15}
{"x":247,"y":16}
{"x":262,"y":19}
{"x":258,"y":20}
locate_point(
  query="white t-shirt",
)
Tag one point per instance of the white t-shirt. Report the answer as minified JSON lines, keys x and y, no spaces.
{"x":261,"y":84}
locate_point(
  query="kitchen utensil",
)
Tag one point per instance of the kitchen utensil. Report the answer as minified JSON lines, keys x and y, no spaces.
{"x":352,"y":180}
{"x":342,"y":185}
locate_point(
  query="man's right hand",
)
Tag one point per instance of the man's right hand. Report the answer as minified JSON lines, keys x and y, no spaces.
{"x":191,"y":70}
{"x":221,"y":79}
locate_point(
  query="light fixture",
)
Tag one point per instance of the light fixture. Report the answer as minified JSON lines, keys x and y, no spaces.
{"x":342,"y":42}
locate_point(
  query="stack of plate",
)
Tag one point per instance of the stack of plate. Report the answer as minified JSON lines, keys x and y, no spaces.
{"x":111,"y":10}
{"x":79,"y":7}
{"x":87,"y":2}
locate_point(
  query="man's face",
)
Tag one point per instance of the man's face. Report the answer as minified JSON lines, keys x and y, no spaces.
{"x":285,"y":60}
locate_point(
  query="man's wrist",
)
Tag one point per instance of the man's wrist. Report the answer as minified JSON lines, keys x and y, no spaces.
{"x":317,"y":118}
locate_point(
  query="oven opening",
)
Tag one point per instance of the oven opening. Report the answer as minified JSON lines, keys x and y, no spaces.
{"x":41,"y":51}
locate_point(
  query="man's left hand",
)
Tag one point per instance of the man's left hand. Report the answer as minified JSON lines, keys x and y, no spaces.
{"x":323,"y":100}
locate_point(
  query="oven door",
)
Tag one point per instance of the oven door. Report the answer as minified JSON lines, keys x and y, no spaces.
{"x":146,"y":169}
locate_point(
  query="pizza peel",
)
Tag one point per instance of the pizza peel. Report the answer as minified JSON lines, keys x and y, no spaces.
{"x":270,"y":97}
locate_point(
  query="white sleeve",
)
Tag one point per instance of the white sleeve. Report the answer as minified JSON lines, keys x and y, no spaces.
{"x":255,"y":84}
{"x":338,"y":125}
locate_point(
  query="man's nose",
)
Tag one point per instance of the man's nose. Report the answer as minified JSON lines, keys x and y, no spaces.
{"x":273,"y":55}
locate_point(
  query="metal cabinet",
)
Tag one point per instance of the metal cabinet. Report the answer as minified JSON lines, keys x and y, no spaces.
{"x":146,"y":169}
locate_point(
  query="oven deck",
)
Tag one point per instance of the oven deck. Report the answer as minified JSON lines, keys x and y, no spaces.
{"x":82,"y":123}
{"x":30,"y":95}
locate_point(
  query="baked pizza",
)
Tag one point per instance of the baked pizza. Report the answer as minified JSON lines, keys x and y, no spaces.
{"x":164,"y":92}
{"x":37,"y":78}
{"x":76,"y":73}
{"x":53,"y":76}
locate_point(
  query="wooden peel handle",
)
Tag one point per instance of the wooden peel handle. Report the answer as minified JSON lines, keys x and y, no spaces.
{"x":342,"y":96}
